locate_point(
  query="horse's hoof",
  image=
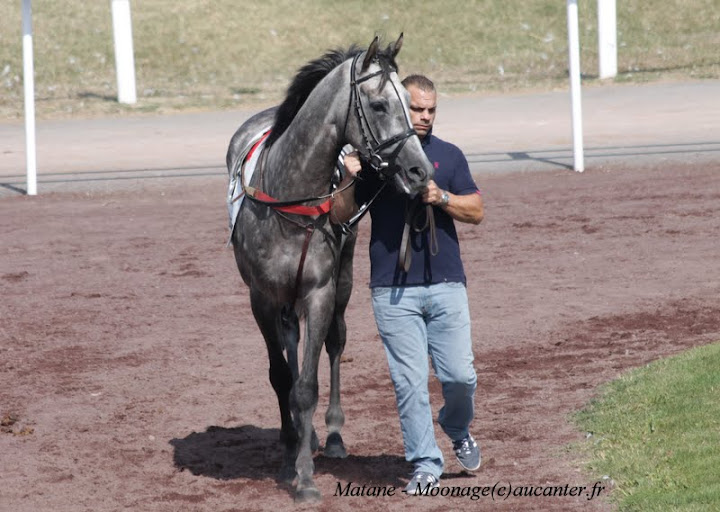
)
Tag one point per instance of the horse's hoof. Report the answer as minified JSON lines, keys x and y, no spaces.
{"x":335,"y":451}
{"x":307,"y":495}
{"x":334,"y":447}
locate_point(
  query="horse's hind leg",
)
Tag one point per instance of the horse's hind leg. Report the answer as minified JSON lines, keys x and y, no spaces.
{"x":281,"y":378}
{"x":334,"y":417}
{"x":335,"y":345}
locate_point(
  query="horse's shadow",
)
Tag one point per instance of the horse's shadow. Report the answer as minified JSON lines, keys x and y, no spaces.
{"x":256,"y":453}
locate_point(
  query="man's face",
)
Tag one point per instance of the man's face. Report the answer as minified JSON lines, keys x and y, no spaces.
{"x":422,"y":109}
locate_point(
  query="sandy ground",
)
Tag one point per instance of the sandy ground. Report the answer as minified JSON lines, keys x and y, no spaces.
{"x":133,"y":377}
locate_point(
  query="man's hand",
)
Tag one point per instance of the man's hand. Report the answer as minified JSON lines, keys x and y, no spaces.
{"x":352,"y":163}
{"x":463,"y":208}
{"x":343,"y":203}
{"x":432,"y":194}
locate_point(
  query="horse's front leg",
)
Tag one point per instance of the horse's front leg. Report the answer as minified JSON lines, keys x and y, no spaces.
{"x":319,"y":308}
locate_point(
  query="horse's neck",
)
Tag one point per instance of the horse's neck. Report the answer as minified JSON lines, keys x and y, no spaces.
{"x":301,"y":162}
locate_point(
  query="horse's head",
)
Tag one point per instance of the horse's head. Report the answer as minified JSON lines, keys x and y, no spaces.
{"x":383,"y":132}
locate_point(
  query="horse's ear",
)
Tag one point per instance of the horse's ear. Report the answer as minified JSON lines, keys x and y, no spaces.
{"x":370,"y":54}
{"x":397,"y":46}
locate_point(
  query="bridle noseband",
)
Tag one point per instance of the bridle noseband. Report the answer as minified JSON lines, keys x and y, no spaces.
{"x":371,"y":153}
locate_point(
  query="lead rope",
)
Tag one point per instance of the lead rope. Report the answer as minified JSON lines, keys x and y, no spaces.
{"x":411,"y":215}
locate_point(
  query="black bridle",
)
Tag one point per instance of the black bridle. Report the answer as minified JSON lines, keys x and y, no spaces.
{"x":386,"y":169}
{"x":371,"y":153}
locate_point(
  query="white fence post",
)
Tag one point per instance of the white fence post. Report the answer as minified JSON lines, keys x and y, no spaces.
{"x":574,"y":50}
{"x":607,"y":38}
{"x":124,"y":57}
{"x":29,"y":88}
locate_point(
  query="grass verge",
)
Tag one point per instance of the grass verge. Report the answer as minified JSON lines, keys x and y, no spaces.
{"x":656,"y":433}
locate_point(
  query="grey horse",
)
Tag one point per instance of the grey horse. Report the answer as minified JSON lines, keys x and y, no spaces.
{"x":299,"y":264}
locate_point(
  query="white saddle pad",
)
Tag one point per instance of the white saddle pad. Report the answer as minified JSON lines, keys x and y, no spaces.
{"x":235,"y":194}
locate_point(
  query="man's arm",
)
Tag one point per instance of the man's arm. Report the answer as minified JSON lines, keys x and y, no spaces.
{"x":466,"y":208}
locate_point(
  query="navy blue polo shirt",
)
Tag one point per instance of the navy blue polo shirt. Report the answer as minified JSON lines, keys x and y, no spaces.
{"x":388,"y":220}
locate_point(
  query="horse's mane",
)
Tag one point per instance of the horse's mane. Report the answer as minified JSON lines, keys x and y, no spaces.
{"x":310,"y":75}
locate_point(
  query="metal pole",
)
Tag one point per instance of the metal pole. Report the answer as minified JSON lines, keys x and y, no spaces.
{"x":574,"y":50}
{"x":607,"y":38}
{"x":29,"y":88}
{"x":124,"y":57}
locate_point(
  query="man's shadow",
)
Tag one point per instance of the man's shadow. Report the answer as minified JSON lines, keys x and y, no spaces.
{"x":256,"y":453}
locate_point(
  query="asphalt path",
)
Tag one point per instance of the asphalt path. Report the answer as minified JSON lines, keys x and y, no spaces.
{"x":622,"y":125}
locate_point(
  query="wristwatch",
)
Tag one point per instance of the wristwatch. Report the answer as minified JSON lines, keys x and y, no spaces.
{"x":445,"y":199}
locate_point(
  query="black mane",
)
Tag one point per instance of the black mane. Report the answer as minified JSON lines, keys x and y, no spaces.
{"x":310,"y":75}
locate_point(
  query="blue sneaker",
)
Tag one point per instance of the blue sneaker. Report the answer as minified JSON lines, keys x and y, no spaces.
{"x":467,"y":453}
{"x":421,"y":483}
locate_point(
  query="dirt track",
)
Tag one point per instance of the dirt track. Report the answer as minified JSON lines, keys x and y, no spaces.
{"x":132,"y":375}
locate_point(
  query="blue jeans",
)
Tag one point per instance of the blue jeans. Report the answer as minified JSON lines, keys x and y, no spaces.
{"x":414,"y":322}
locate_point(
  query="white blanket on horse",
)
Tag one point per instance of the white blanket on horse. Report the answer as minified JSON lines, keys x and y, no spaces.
{"x":245,"y":167}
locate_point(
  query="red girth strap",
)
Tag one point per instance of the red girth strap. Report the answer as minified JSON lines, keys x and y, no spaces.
{"x":298,"y":209}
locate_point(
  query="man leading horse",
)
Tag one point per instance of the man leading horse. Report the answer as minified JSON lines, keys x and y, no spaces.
{"x":418,"y":291}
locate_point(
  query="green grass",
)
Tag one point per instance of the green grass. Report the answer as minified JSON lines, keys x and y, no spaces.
{"x":656,"y":433}
{"x":220,"y":53}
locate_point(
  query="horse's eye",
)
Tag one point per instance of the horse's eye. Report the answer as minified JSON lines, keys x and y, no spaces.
{"x":378,"y":106}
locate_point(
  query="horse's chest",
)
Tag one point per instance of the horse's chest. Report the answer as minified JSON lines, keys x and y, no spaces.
{"x":267,"y":251}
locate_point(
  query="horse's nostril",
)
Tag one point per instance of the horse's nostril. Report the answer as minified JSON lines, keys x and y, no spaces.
{"x":419,"y":172}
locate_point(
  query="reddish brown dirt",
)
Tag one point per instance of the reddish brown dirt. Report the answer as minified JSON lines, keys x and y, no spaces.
{"x":133,"y":377}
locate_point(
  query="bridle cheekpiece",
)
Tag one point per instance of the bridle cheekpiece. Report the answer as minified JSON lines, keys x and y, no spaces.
{"x":371,"y":153}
